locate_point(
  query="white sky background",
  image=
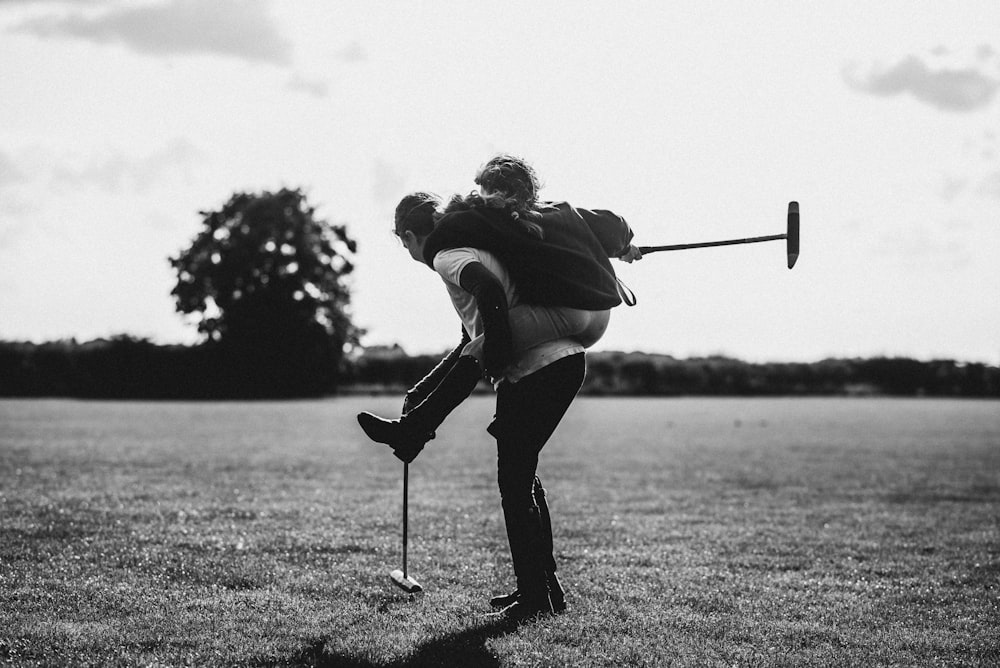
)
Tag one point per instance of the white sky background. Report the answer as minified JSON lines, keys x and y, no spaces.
{"x":695,"y":120}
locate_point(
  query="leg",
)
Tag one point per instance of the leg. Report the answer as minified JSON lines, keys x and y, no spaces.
{"x":527,"y":414}
{"x":417,"y":426}
{"x":556,"y":594}
{"x":538,"y":495}
{"x":530,"y":325}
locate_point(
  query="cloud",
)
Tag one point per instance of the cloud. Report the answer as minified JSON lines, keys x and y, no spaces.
{"x":926,"y":245}
{"x":975,"y":171}
{"x":958,"y":90}
{"x":987,"y":186}
{"x":238,"y":28}
{"x":314,"y":87}
{"x":990,"y":186}
{"x":952,"y":187}
{"x":9,"y":172}
{"x":117,"y":171}
{"x":13,"y":204}
{"x":353,"y":53}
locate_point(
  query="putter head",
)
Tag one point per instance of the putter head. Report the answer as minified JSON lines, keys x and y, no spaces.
{"x":792,"y":237}
{"x":404,"y":582}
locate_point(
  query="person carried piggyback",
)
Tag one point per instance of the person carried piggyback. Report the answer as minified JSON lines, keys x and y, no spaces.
{"x":533,"y":286}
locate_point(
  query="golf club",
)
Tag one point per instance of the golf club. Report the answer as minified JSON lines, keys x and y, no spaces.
{"x":399,"y":577}
{"x":791,"y":237}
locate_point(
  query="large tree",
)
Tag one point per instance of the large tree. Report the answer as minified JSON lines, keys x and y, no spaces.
{"x":266,"y":280}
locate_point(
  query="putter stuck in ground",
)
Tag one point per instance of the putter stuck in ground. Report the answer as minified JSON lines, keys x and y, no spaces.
{"x":791,"y":238}
{"x":399,"y":577}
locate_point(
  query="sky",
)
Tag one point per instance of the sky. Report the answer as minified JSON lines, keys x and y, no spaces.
{"x":695,"y":120}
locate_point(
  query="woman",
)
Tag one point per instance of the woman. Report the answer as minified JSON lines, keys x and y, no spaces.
{"x":557,"y":254}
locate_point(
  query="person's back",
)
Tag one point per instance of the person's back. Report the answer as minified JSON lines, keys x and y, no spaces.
{"x":612,"y":234}
{"x":568,"y":266}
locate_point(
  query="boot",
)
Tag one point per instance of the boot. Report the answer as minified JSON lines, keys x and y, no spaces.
{"x":419,"y":424}
{"x":538,"y":494}
{"x":557,"y":597}
{"x":556,"y":594}
{"x":524,"y":609}
{"x":503,"y":600}
{"x":524,"y":533}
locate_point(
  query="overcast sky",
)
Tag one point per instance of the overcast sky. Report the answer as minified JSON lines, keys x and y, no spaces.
{"x":698,"y":120}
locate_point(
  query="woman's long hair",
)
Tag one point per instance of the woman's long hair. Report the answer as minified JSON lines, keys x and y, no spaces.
{"x":508,"y":183}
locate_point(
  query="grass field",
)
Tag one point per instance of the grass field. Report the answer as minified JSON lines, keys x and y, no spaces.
{"x":689,"y":532}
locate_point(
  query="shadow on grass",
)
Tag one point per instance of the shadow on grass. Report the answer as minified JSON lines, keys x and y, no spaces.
{"x":461,"y":648}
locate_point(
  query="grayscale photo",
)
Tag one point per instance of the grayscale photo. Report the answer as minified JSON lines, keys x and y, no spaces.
{"x":532,"y":334}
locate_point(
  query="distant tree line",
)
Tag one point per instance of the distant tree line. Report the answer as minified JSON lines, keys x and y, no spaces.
{"x":643,"y":374}
{"x":126,"y":367}
{"x":663,"y":375}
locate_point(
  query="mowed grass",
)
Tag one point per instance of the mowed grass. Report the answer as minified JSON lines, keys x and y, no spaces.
{"x":689,"y":532}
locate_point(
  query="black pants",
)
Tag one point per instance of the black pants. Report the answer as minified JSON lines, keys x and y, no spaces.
{"x":527,"y":414}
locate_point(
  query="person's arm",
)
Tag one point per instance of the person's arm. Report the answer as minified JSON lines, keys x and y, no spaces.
{"x":611,"y":230}
{"x":416,"y":394}
{"x":491,"y":302}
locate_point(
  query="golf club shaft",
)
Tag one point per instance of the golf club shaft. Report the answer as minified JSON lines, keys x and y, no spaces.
{"x":707,"y":244}
{"x":406,"y":490}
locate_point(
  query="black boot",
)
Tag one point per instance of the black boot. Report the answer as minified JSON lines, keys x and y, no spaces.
{"x":503,"y":600}
{"x":524,"y":609}
{"x":557,"y":597}
{"x":418,"y":425}
{"x":524,"y":533}
{"x":538,"y":494}
{"x":556,"y":594}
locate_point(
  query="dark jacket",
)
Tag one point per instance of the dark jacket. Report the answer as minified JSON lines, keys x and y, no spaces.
{"x":568,"y":267}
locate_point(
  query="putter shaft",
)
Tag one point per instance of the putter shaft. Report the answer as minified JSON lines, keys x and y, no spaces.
{"x":400,"y":577}
{"x":406,"y":514}
{"x":709,"y":244}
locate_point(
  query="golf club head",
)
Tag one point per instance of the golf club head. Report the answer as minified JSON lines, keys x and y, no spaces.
{"x":792,"y":238}
{"x":404,"y":582}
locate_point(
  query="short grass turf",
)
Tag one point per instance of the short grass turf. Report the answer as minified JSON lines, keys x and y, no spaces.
{"x":689,"y":532}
